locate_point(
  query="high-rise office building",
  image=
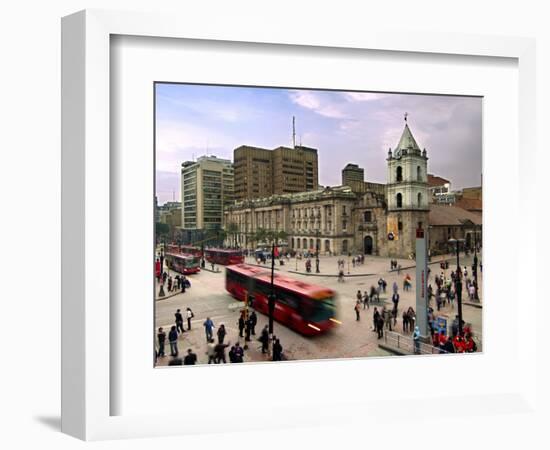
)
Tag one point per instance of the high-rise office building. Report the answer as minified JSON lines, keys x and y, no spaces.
{"x":206,"y":188}
{"x":261,"y":172}
{"x":352,"y":173}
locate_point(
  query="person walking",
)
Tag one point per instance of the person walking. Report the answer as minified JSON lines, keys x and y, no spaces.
{"x":221,"y":333}
{"x":248,"y":329}
{"x":264,"y":339}
{"x":211,"y":351}
{"x":161,"y":336}
{"x":253,"y":322}
{"x":190,"y":359}
{"x":179,"y":321}
{"x":190,"y":315}
{"x":357,"y":309}
{"x":380,"y":326}
{"x":219,"y":351}
{"x":277,"y":351}
{"x":208,"y":327}
{"x":173,"y":340}
{"x":238,"y":353}
{"x":375,"y":316}
{"x":241,"y":324}
{"x":395,"y":301}
{"x":366,"y":300}
{"x":416,"y":339}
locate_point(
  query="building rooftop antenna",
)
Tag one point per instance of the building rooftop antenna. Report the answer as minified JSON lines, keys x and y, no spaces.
{"x":293,"y":132}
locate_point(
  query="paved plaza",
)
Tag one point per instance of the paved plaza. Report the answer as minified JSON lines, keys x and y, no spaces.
{"x":207,"y":297}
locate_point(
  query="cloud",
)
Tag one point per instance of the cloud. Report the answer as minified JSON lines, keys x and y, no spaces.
{"x":323,"y":106}
{"x":362,"y":96}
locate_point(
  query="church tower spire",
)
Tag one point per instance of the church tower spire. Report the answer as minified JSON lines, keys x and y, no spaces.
{"x":406,"y":193}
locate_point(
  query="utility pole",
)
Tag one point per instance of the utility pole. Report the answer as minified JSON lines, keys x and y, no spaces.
{"x":271,"y":297}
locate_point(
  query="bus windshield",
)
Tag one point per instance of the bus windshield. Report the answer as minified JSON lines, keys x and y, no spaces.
{"x":318,"y":310}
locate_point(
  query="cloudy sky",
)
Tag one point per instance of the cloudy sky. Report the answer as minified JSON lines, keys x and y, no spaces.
{"x":357,"y":127}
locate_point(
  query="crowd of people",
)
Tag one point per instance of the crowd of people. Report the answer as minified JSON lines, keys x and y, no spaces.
{"x":215,"y":349}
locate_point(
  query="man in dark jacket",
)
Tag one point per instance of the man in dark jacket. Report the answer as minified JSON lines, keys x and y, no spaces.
{"x":253,"y":322}
{"x":179,"y":321}
{"x":190,"y":359}
{"x":264,"y":339}
{"x":277,"y":351}
{"x":161,"y":336}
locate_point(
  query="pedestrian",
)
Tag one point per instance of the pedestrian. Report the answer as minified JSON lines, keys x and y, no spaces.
{"x":190,"y":315}
{"x":380,"y":326}
{"x":170,"y":284}
{"x":264,"y":339}
{"x":375,"y":316}
{"x":211,"y":351}
{"x":412,"y":318}
{"x":395,"y":288}
{"x":161,"y":336}
{"x":179,"y":321}
{"x":357,"y":309}
{"x":236,"y":354}
{"x":183,"y":286}
{"x":241,"y":324}
{"x":395,"y":300}
{"x":219,"y":351}
{"x":164,"y":277}
{"x":416,"y":339}
{"x":359,"y":296}
{"x":366,"y":300}
{"x":387,"y":318}
{"x":208,"y":327}
{"x":190,"y":359}
{"x":221,"y":333}
{"x":405,"y":322}
{"x":248,"y":329}
{"x":173,"y":340}
{"x":253,"y":322}
{"x":277,"y":351}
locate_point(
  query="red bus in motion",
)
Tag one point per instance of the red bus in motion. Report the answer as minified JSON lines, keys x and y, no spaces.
{"x":224,"y":257}
{"x":306,"y":308}
{"x":186,"y":264}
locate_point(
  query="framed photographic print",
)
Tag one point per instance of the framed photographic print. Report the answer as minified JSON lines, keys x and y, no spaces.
{"x":246,"y":212}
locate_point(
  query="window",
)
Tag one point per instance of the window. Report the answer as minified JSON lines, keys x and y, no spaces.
{"x":418,"y":173}
{"x":344,"y":224}
{"x":297,"y":243}
{"x":419,"y":197}
{"x":327,"y":245}
{"x":419,"y":225}
{"x":368,"y":216}
{"x":399,"y":200}
{"x":345,"y":246}
{"x":343,"y":210}
{"x":400,"y":226}
{"x":399,"y":174}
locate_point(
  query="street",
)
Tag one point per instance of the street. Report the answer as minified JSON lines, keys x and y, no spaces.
{"x":207,"y":298}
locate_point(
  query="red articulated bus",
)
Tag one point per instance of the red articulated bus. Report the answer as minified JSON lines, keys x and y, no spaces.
{"x":186,"y":264}
{"x":306,"y":308}
{"x":191,"y":250}
{"x":224,"y":257}
{"x":173,"y":248}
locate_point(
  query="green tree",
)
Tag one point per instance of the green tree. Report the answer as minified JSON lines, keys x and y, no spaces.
{"x":161,"y":230}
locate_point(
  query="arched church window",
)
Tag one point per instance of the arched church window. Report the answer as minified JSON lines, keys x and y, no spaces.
{"x":418,"y":173}
{"x":399,"y":174}
{"x":419,"y":199}
{"x":399,"y":200}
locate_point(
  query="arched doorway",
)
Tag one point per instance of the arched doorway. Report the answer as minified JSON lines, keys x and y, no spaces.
{"x":368,"y":245}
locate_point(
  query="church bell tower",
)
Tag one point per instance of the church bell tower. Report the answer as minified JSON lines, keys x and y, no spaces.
{"x":406,"y":194}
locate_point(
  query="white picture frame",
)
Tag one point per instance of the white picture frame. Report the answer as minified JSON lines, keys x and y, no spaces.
{"x":87,"y":382}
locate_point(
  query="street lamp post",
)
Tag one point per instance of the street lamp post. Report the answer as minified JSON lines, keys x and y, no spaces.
{"x":317,"y":251}
{"x":474,"y":268}
{"x":271,"y":297}
{"x":458,"y":282}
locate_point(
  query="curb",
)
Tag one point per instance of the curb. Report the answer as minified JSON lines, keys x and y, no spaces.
{"x":473,"y":305}
{"x":393,"y":350}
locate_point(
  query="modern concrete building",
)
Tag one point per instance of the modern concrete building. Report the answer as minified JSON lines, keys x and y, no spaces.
{"x":206,"y":189}
{"x":352,"y":173}
{"x":261,"y":172}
